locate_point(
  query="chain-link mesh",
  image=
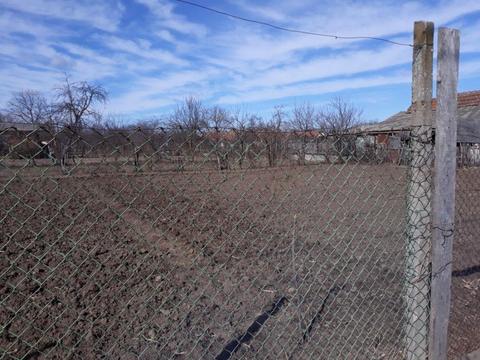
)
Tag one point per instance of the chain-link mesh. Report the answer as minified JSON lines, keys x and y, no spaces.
{"x":418,"y":244}
{"x":464,"y":328}
{"x":174,"y":243}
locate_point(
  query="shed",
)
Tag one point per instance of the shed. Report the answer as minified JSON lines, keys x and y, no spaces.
{"x":21,"y":140}
{"x":468,"y":119}
{"x":468,"y":127}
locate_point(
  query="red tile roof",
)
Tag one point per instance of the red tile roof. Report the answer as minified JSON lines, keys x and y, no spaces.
{"x":468,"y":98}
{"x":221,"y":135}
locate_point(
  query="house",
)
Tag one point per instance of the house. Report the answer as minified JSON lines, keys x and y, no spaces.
{"x":20,"y":141}
{"x":392,"y":132}
{"x":17,"y":127}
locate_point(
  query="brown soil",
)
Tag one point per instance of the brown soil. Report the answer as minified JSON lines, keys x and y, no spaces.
{"x":465,"y":310}
{"x":177,"y":265}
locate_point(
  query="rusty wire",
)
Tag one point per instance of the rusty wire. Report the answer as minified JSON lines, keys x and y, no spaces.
{"x":211,"y":243}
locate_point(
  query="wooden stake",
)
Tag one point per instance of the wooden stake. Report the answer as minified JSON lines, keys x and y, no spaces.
{"x":444,"y":189}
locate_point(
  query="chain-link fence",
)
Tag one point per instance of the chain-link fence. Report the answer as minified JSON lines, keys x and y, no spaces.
{"x":465,"y":317}
{"x":418,"y":242}
{"x":174,"y":243}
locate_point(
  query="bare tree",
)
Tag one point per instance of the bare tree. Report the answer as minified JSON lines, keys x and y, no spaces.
{"x":244,"y":125}
{"x":190,"y":114}
{"x":29,"y":106}
{"x":304,"y":117}
{"x":149,"y":139}
{"x":75,"y":107}
{"x":339,"y":117}
{"x":278,"y":119}
{"x":337,"y":120}
{"x":188,"y":120}
{"x":117,"y":142}
{"x":302,"y":123}
{"x":221,"y":136}
{"x":271,"y":133}
{"x":218,"y":118}
{"x":77,"y":101}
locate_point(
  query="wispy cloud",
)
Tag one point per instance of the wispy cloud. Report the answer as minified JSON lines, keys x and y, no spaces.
{"x":154,"y":92}
{"x":151,"y":53}
{"x":16,"y":77}
{"x":98,"y":14}
{"x":338,"y":64}
{"x":262,"y":11}
{"x":9,"y":22}
{"x":141,"y":48}
{"x":164,"y":11}
{"x":316,"y":88}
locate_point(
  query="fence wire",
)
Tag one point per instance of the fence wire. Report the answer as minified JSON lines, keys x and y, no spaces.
{"x":418,"y":242}
{"x":464,"y":330}
{"x":174,"y":243}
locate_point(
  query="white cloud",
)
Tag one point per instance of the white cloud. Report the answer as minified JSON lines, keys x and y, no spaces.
{"x":87,"y":53}
{"x":371,"y":18}
{"x":152,"y":93}
{"x":270,"y":65}
{"x":141,"y":48}
{"x":254,"y":43}
{"x":11,"y":23}
{"x":15,"y":78}
{"x":267,"y":12}
{"x":167,"y":18}
{"x":102,"y":15}
{"x":469,"y":37}
{"x":340,"y":64}
{"x":158,"y":59}
{"x":165,"y":35}
{"x":315,"y":88}
{"x":469,"y":68}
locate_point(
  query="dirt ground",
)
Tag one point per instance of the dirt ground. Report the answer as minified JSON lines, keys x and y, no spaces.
{"x":465,"y":310}
{"x":295,"y":263}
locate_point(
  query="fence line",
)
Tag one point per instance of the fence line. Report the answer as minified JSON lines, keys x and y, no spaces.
{"x":227,"y":243}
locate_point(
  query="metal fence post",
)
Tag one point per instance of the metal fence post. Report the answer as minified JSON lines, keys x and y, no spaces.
{"x":444,"y":190}
{"x":418,"y":232}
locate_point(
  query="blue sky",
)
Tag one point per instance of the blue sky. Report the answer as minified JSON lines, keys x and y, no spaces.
{"x":150,"y":54}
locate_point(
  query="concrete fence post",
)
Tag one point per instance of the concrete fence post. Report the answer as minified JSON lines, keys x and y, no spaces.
{"x":418,"y":232}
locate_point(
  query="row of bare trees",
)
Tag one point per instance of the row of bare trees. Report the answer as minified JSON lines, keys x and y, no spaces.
{"x":74,"y":105}
{"x":336,"y":117}
{"x":192,"y":127}
{"x":335,"y":120}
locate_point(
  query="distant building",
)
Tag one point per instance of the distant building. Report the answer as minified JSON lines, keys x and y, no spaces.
{"x":19,"y":140}
{"x":17,"y":127}
{"x":392,"y":132}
